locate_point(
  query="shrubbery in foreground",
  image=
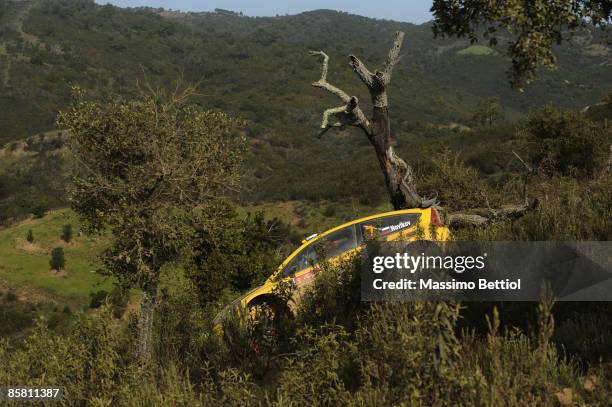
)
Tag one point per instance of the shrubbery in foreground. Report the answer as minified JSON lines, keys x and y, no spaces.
{"x":366,"y":354}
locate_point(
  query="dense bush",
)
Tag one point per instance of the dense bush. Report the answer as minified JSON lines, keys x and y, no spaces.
{"x":388,"y":354}
{"x":236,"y":253}
{"x":97,"y":299}
{"x":118,"y":300}
{"x":560,"y":142}
{"x":57,"y":261}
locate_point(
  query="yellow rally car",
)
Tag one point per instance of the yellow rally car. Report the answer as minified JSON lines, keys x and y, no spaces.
{"x":301,"y":266}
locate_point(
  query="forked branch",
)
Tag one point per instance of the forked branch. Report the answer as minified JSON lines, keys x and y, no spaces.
{"x":393,"y":57}
{"x":399,"y":180}
{"x":378,"y":81}
{"x":362,"y":72}
{"x":348,"y":114}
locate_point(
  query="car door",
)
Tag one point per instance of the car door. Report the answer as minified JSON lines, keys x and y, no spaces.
{"x":303,"y":266}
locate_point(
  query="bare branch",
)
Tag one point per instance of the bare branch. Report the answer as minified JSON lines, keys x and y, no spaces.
{"x":350,"y":113}
{"x":379,"y":78}
{"x":481,"y":216}
{"x":325,"y":63}
{"x":360,"y":69}
{"x":332,"y":111}
{"x":462,"y":220}
{"x":393,"y":57}
{"x":347,"y":115}
{"x":529,"y":169}
{"x":323,"y":84}
{"x":332,"y":89}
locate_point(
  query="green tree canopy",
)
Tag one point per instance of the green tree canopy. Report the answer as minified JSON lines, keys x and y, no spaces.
{"x":559,"y":142}
{"x":489,"y":111}
{"x":148,"y":169}
{"x":535,"y":26}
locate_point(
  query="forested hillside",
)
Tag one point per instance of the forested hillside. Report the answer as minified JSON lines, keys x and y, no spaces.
{"x":257,"y":66}
{"x":259,"y":69}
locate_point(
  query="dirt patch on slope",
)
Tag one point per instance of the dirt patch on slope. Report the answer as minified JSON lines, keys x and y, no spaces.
{"x":58,"y":273}
{"x":30,"y":248}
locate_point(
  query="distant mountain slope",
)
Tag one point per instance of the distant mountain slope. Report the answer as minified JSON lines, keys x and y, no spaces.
{"x":255,"y":66}
{"x":584,"y":67}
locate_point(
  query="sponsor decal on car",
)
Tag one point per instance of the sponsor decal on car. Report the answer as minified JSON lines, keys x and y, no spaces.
{"x":395,"y":228}
{"x":301,"y":279}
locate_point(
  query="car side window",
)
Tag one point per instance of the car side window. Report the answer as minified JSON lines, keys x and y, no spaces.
{"x":387,"y":225}
{"x":339,"y":241}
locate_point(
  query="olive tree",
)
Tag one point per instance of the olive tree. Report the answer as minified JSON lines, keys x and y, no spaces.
{"x":149,"y":170}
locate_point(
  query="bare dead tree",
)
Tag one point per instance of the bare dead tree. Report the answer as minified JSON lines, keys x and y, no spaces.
{"x":398,"y":175}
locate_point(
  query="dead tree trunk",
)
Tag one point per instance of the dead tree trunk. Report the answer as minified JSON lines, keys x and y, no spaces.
{"x":398,"y":175}
{"x":145,"y":321}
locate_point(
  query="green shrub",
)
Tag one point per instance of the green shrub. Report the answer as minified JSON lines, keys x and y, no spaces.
{"x":118,"y":300}
{"x":236,"y":254}
{"x":586,"y":335}
{"x":30,"y":236}
{"x":14,"y":316}
{"x":57,"y":262}
{"x":97,"y":299}
{"x":391,"y":353}
{"x":561,"y":142}
{"x":67,"y":233}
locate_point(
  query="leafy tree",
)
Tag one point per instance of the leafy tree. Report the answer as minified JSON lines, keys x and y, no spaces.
{"x":560,"y":142}
{"x":30,"y":236}
{"x":153,"y":167}
{"x":57,"y":262}
{"x":67,"y":233}
{"x":243,"y":253}
{"x":535,"y":26}
{"x":489,"y":111}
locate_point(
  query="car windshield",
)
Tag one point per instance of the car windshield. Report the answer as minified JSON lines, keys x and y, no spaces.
{"x":330,"y":246}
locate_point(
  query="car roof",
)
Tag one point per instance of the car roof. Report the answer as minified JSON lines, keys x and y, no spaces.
{"x":366,"y":218}
{"x":327,"y":232}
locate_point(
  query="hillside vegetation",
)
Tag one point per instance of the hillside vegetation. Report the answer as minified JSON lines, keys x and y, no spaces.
{"x":24,"y":263}
{"x":259,"y":69}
